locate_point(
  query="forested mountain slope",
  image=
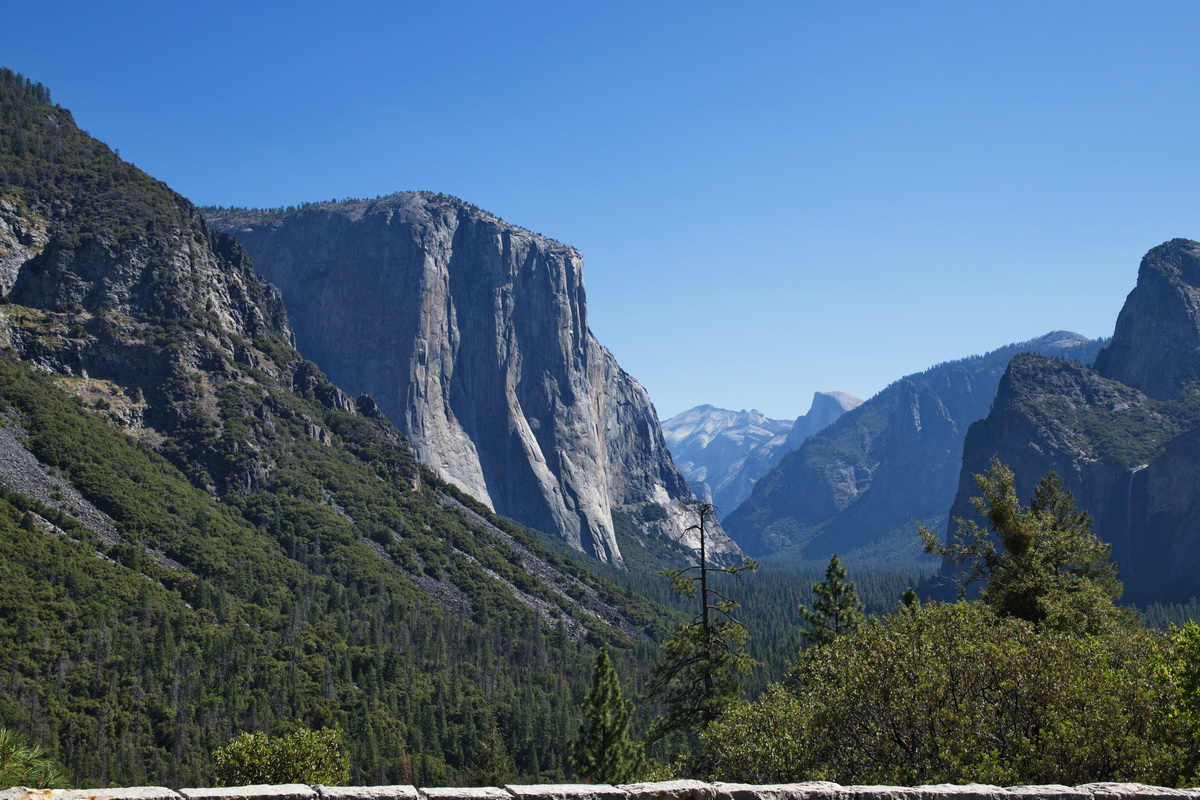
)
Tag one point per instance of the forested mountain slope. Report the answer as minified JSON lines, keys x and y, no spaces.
{"x":203,"y":535}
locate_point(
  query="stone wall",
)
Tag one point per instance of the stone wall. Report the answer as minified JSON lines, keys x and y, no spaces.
{"x":666,"y":790}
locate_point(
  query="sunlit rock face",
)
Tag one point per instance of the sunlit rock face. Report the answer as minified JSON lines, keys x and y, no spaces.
{"x":471,"y":334}
{"x":1156,"y":345}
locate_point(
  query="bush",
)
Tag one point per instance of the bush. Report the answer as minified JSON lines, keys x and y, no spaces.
{"x":956,"y":694}
{"x":306,"y":756}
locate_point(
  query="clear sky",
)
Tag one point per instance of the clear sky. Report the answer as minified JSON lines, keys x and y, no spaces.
{"x":772,"y":198}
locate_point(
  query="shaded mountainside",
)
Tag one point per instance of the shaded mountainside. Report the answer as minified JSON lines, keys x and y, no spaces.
{"x":859,"y":487}
{"x":203,"y":535}
{"x":1123,"y":435}
{"x":472,"y":336}
{"x":723,"y":453}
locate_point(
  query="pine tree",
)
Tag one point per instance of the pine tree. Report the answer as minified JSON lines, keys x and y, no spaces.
{"x":490,"y":764}
{"x":1049,"y":568}
{"x":25,"y":764}
{"x":836,"y":611}
{"x":603,"y":752}
{"x":705,"y":659}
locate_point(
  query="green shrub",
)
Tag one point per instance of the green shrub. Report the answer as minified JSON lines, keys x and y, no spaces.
{"x":306,"y":756}
{"x":957,"y":694}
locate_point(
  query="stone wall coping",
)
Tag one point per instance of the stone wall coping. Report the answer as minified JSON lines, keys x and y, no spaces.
{"x":567,"y":791}
{"x":280,"y":791}
{"x":132,"y":793}
{"x":670,"y":790}
{"x":400,"y":792}
{"x":660,"y":790}
{"x":472,"y":793}
{"x":808,"y":790}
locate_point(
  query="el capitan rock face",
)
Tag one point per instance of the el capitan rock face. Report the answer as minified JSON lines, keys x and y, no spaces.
{"x":1124,"y":436}
{"x":472,"y":336}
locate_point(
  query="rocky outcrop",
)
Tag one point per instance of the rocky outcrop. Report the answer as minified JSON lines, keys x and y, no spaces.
{"x":723,"y":453}
{"x":860,"y":486}
{"x":472,"y":336}
{"x":1123,"y":436}
{"x":115,"y":283}
{"x":1066,"y":418}
{"x":1156,"y":344}
{"x":826,"y":408}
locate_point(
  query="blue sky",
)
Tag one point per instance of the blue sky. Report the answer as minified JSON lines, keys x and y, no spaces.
{"x":772,"y":198}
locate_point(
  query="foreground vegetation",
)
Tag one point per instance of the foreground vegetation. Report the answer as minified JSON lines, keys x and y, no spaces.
{"x":1044,"y":679}
{"x":955,"y":693}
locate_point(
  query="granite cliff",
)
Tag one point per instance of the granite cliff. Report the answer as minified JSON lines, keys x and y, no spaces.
{"x":723,"y":453}
{"x":859,"y":486}
{"x":1124,"y":436}
{"x":1156,"y":343}
{"x":471,"y":335}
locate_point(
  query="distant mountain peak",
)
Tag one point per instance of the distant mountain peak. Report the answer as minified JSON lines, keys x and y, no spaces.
{"x":723,"y":453}
{"x":1061,"y":339}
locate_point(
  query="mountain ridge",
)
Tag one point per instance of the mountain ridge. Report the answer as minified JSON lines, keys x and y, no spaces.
{"x":723,"y":453}
{"x":860,"y":486}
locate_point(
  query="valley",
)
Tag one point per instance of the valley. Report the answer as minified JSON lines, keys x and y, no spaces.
{"x":363,"y":465}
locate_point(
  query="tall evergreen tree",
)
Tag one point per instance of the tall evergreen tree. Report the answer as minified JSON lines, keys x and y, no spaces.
{"x":705,"y":659}
{"x":836,"y":611}
{"x":603,"y":751}
{"x":1040,"y":563}
{"x":490,"y":764}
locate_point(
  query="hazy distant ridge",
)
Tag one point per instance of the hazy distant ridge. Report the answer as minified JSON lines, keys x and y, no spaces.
{"x":723,"y":453}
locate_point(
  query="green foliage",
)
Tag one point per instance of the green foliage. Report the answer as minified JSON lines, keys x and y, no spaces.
{"x":836,"y":611}
{"x":957,"y":694}
{"x":237,"y":614}
{"x":1049,"y":568}
{"x":1183,"y":667}
{"x":705,"y":660}
{"x":303,"y":756}
{"x":44,"y":159}
{"x":26,"y":764}
{"x":603,"y":751}
{"x":490,"y":764}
